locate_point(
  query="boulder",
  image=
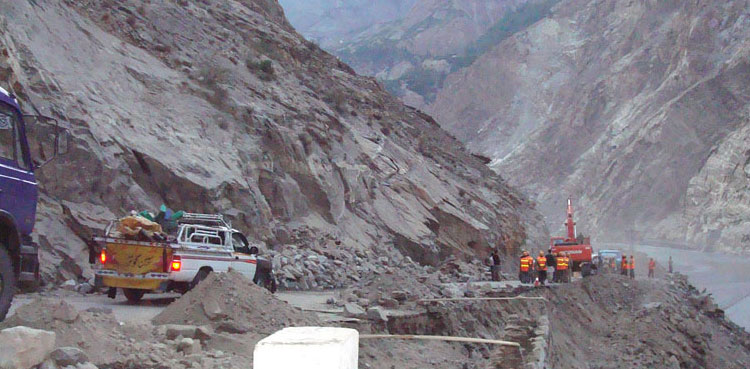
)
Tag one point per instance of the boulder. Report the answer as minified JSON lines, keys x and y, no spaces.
{"x":203,"y":333}
{"x":189,"y":346}
{"x":65,"y":356}
{"x":69,"y":285}
{"x":353,"y":310}
{"x":65,"y":312}
{"x":377,"y":314}
{"x":388,"y":303}
{"x":24,"y":347}
{"x":400,"y":296}
{"x":173,"y":331}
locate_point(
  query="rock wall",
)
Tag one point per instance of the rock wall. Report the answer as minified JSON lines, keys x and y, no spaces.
{"x":220,"y":106}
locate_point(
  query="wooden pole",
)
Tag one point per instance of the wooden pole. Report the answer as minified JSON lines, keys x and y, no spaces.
{"x":440,"y":338}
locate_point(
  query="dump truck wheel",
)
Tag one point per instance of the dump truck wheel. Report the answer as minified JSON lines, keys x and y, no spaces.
{"x":7,"y":282}
{"x":133,"y":295}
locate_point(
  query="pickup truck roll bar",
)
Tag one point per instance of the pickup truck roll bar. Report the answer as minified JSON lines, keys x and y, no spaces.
{"x":208,"y":219}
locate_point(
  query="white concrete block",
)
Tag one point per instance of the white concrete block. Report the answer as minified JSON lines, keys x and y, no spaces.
{"x":308,"y":348}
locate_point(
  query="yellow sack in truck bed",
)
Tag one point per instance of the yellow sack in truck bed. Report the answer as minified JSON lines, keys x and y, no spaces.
{"x":131,"y":226}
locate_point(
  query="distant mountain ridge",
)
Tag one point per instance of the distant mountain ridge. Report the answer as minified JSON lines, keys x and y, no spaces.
{"x":636,"y":109}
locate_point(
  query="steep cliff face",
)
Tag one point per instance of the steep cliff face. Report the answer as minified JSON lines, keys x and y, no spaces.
{"x":220,"y":106}
{"x":638,"y":109}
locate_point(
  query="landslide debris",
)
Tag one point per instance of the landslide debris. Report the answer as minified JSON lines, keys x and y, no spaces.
{"x":610,"y":321}
{"x":221,"y":107}
{"x":232,"y":303}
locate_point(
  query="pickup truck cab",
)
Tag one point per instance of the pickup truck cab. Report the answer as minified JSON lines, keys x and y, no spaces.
{"x":203,"y":244}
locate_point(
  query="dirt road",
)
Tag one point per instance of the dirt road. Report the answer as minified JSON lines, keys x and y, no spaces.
{"x":152,"y":305}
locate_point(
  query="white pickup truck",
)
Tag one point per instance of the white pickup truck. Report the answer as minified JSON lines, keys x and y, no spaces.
{"x":203,"y":244}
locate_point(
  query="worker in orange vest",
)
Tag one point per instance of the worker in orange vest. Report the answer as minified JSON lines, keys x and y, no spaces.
{"x":527,"y":262}
{"x":631,"y":267}
{"x":624,"y":266}
{"x":541,"y":267}
{"x":651,"y":268}
{"x":562,"y":267}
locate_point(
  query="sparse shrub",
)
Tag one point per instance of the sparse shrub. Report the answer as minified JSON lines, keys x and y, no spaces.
{"x":213,"y":75}
{"x":262,"y":68}
{"x":336,"y":99}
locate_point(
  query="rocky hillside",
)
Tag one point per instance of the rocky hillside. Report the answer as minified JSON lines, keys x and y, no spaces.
{"x":220,"y":106}
{"x":638,"y":109}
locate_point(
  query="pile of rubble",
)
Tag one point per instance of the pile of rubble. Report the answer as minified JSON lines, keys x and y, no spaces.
{"x":663,"y":323}
{"x":318,"y":265}
{"x":231,"y":303}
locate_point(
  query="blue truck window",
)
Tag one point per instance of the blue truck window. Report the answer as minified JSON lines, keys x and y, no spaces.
{"x":7,"y":135}
{"x":10,"y":138}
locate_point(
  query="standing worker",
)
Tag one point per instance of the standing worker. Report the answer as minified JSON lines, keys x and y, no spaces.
{"x":495,"y":267}
{"x":670,"y":264}
{"x":541,"y":267}
{"x":651,"y":268}
{"x":525,"y":270}
{"x":551,"y":262}
{"x":561,"y":267}
{"x":631,"y":266}
{"x":624,"y":266}
{"x":612,"y":265}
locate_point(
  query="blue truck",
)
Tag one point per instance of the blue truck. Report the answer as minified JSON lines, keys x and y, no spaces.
{"x":19,"y":261}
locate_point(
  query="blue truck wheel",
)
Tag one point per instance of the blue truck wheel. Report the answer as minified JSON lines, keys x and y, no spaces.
{"x":7,"y":282}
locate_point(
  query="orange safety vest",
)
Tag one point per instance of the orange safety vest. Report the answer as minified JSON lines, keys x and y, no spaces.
{"x":624,"y":263}
{"x":541,"y":263}
{"x":562,"y":263}
{"x":651,"y":265}
{"x":526,"y":263}
{"x":632,"y":264}
{"x":612,"y":263}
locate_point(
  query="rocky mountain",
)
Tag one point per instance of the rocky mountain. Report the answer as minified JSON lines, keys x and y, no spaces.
{"x":638,"y":109}
{"x":220,"y":106}
{"x":413,"y":53}
{"x":332,"y":22}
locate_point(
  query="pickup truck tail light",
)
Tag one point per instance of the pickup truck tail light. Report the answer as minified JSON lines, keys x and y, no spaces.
{"x":103,"y":257}
{"x":176,"y":264}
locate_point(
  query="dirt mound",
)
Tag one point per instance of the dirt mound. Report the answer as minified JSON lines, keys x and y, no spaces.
{"x":231,"y":303}
{"x":96,"y":331}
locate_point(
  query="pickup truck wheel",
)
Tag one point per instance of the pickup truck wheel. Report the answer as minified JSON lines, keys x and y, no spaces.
{"x":7,"y":282}
{"x":202,"y":274}
{"x":133,"y":295}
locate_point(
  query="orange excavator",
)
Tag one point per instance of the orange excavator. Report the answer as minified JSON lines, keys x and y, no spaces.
{"x":579,"y":249}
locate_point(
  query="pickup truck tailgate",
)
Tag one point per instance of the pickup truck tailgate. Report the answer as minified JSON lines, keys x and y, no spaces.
{"x":133,"y":264}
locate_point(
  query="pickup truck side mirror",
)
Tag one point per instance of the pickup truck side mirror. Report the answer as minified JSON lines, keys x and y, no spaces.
{"x":47,"y":139}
